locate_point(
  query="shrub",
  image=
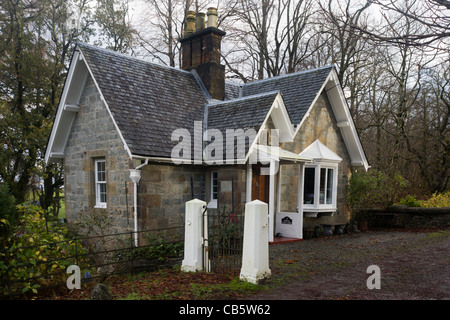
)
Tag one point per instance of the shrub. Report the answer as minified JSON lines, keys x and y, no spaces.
{"x":410,"y":201}
{"x":374,"y":189}
{"x":37,"y":254}
{"x":158,"y":247}
{"x":438,"y":200}
{"x":8,"y":214}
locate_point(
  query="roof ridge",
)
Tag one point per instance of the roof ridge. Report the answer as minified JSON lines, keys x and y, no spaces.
{"x":258,"y":95}
{"x":330,"y":66}
{"x":127,"y":56}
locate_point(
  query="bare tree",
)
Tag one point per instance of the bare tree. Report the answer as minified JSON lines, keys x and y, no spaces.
{"x":433,"y":15}
{"x":273,"y":36}
{"x":341,"y":19}
{"x":162,"y":27}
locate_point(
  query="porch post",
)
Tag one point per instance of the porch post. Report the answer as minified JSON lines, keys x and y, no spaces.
{"x":278,"y":190}
{"x":300,"y":192}
{"x":248,"y":185}
{"x":271,"y":198}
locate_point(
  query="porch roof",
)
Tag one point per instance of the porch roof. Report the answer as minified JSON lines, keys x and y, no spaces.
{"x":317,"y":151}
{"x":267,"y":153}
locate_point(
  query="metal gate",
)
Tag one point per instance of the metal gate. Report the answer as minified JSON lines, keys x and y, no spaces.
{"x":223,"y":234}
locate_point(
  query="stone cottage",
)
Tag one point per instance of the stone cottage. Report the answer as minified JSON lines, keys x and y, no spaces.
{"x":137,"y":140}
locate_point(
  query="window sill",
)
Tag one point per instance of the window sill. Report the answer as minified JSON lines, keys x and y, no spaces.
{"x":100,"y":207}
{"x":212,"y":204}
{"x":318,"y":212}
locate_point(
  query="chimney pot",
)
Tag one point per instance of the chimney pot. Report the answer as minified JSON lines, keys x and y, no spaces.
{"x":190,"y":23}
{"x":212,"y":17}
{"x":200,"y":23}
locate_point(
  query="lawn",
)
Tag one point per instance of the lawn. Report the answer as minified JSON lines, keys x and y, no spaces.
{"x":167,"y":284}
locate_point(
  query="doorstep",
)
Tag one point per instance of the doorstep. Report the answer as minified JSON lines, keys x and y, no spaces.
{"x":279,"y":240}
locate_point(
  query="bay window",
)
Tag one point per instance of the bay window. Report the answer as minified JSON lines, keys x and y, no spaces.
{"x":320,"y":179}
{"x":320,"y":187}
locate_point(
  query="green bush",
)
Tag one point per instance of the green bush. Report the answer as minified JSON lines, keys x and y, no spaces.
{"x":374,"y":189}
{"x":437,"y":200}
{"x":159,"y":247}
{"x":8,"y":214}
{"x":410,"y":201}
{"x":37,"y":254}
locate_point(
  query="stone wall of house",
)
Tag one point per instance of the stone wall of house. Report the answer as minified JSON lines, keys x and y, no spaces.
{"x":93,"y":135}
{"x":163,"y":191}
{"x":232,"y":184}
{"x":165,"y":188}
{"x":320,"y":124}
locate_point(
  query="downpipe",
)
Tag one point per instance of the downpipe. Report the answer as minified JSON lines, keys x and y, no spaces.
{"x":135,"y":176}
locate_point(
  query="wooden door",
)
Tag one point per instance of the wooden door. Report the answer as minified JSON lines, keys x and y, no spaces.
{"x":260,"y":186}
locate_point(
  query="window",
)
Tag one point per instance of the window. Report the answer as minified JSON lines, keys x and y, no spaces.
{"x":214,"y":190}
{"x":326,"y":185}
{"x":320,"y":178}
{"x":320,"y":187}
{"x":308,"y":197}
{"x":100,"y":183}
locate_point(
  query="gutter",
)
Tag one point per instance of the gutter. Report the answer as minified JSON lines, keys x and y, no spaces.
{"x":135,"y":176}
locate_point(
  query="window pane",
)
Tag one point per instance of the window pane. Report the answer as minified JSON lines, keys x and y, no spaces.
{"x":308,"y":195}
{"x":101,"y":176}
{"x":101,"y":171}
{"x":323,"y":174}
{"x":102,"y":190}
{"x":330,"y":182}
{"x":215,"y":183}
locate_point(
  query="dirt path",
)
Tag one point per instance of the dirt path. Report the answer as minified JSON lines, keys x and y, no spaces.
{"x":413,"y":265}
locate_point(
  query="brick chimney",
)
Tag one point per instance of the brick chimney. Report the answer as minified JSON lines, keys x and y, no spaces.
{"x":200,"y":49}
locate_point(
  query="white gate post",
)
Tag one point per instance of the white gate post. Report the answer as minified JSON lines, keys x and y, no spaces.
{"x":193,"y":252}
{"x":255,"y":255}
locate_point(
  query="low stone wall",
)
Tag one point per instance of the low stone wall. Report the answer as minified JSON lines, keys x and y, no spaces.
{"x":409,"y":217}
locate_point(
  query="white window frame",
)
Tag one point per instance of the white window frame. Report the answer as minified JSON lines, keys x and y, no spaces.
{"x":98,"y":183}
{"x":214,"y":194}
{"x":317,"y":206}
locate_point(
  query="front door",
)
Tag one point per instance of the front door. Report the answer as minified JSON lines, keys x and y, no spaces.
{"x":260,"y":185}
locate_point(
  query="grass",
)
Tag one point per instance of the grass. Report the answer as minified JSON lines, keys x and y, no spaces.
{"x":438,"y":234}
{"x":172,"y":284}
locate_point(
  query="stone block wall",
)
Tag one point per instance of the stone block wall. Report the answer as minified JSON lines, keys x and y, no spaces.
{"x":232,"y":183}
{"x":165,"y":188}
{"x":94,"y":136}
{"x":409,"y":217}
{"x":163,"y":191}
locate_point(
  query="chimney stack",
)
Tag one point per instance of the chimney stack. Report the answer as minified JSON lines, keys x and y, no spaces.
{"x":201,"y":51}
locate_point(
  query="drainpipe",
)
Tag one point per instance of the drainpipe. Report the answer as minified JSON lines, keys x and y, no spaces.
{"x":135,"y":176}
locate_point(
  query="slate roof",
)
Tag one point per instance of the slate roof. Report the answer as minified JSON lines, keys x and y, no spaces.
{"x":298,"y":89}
{"x":241,"y":113}
{"x":149,"y":101}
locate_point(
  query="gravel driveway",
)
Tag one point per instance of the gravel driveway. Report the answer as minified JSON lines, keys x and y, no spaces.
{"x":413,"y":265}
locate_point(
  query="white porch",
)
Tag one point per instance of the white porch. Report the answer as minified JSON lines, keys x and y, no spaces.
{"x":316,"y":158}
